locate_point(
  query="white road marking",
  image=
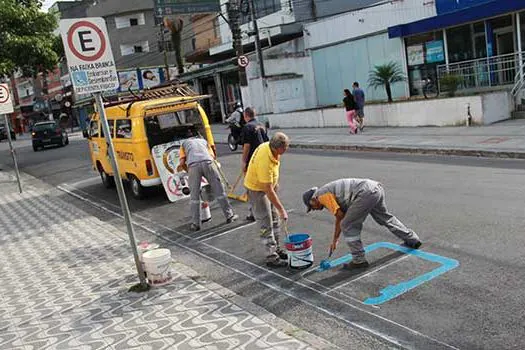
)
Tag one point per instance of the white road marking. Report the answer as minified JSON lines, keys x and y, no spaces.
{"x":367,"y":274}
{"x":268,"y":285}
{"x":75,"y":184}
{"x":210,"y":235}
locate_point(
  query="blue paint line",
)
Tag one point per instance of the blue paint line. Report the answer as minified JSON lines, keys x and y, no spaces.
{"x":393,"y":291}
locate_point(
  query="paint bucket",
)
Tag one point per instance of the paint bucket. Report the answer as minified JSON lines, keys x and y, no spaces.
{"x":157,"y":264}
{"x":299,"y":247}
{"x":141,"y":249}
{"x":205,"y":212}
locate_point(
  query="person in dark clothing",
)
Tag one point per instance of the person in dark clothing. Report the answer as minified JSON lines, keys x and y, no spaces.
{"x":253,"y":134}
{"x":350,"y":110}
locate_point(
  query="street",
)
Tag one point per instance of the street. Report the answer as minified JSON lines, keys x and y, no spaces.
{"x":468,"y":212}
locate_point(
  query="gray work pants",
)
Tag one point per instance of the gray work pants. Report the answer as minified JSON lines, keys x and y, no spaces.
{"x":371,"y":202}
{"x":211,"y":174}
{"x":269,"y":223}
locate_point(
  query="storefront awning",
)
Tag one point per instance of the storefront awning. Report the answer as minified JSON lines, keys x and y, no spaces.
{"x":471,"y":14}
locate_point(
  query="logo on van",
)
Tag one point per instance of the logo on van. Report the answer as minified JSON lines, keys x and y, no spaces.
{"x":125,"y":155}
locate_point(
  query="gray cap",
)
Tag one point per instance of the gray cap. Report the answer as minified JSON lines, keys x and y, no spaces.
{"x":307,"y":196}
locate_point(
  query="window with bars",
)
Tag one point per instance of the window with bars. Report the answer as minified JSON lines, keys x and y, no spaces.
{"x":262,"y":8}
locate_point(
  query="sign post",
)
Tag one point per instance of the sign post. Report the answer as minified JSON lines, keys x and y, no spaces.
{"x":92,"y":69}
{"x":6,"y":107}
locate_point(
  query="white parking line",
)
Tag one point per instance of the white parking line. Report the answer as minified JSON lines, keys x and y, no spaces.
{"x":367,"y":274}
{"x":210,"y":235}
{"x":75,"y":184}
{"x":286,"y":292}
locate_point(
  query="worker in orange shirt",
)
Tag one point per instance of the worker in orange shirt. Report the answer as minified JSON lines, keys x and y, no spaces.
{"x":350,"y":201}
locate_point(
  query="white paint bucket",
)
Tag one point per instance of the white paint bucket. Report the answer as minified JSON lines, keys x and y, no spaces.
{"x":141,"y":249}
{"x":299,"y":247}
{"x":157,"y":264}
{"x":205,"y":212}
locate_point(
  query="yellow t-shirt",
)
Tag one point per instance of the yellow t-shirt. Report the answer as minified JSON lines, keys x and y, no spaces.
{"x":263,"y":169}
{"x":329,"y":201}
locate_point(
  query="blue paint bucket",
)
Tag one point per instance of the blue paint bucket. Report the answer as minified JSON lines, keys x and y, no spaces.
{"x":299,"y":247}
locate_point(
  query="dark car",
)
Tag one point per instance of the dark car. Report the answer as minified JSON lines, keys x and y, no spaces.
{"x":3,"y":133}
{"x":48,"y":133}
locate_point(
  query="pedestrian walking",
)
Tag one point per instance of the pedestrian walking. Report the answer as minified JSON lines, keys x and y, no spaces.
{"x":198,"y":157}
{"x":350,"y":110}
{"x":359,"y":97}
{"x":253,"y":134}
{"x":262,"y":180}
{"x":350,"y":201}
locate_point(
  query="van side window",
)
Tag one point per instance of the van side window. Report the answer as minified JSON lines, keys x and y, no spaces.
{"x":93,"y":128}
{"x":123,"y":129}
{"x":111,"y":124}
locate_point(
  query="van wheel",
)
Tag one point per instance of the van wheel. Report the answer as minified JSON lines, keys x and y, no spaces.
{"x":137,"y":190}
{"x":107,"y":180}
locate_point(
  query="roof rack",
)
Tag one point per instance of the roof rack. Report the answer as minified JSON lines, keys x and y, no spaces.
{"x":173,"y":88}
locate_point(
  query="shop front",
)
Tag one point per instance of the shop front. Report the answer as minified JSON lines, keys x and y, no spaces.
{"x":481,"y":51}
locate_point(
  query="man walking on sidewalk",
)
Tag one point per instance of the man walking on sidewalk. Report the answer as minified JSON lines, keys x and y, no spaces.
{"x":253,"y":134}
{"x":198,"y":157}
{"x":351,"y":200}
{"x":262,"y":180}
{"x":359,"y":97}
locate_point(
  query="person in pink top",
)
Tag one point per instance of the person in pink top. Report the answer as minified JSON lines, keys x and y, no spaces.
{"x":350,"y":108}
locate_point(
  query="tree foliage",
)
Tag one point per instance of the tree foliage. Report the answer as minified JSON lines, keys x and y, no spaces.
{"x":386,"y":75}
{"x":27,"y":41}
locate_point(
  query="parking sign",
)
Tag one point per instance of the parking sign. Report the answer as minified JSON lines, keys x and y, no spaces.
{"x":6,"y":105}
{"x":89,"y":57}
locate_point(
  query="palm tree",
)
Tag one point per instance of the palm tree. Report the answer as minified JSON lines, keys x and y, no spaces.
{"x":175,"y":27}
{"x":386,"y":75}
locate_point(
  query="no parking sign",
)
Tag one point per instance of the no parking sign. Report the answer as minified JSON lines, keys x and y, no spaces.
{"x":89,"y":57}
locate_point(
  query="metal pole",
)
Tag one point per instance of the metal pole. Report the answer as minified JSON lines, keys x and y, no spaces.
{"x":233,"y":8}
{"x":257,"y":40}
{"x":13,"y":153}
{"x":520,"y":46}
{"x":120,"y":188}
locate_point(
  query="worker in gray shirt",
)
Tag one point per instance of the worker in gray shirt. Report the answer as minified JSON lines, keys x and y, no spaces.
{"x":350,"y":201}
{"x":197,"y":157}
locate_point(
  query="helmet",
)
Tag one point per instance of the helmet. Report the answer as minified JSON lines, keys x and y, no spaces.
{"x":238,"y":105}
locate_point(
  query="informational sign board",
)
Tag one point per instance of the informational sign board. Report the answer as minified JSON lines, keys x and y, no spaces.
{"x":6,"y":103}
{"x":171,"y":7}
{"x":434,"y":51}
{"x":89,"y":57}
{"x":166,"y":157}
{"x":415,"y":55}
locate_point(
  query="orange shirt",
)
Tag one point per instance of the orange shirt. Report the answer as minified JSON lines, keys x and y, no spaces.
{"x":329,"y":202}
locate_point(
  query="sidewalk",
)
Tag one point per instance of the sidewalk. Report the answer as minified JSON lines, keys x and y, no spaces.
{"x":64,"y":279}
{"x":505,"y":140}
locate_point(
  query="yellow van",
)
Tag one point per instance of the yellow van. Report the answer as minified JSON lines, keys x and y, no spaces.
{"x":157,"y":117}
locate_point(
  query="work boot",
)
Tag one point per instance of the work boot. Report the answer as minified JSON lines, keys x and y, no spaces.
{"x":275,"y":264}
{"x":232,"y":218}
{"x":352,"y":265}
{"x":250,"y":218}
{"x":413,"y":244}
{"x":282,"y":254}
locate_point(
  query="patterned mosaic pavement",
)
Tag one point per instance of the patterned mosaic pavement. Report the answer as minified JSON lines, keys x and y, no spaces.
{"x":63,"y":285}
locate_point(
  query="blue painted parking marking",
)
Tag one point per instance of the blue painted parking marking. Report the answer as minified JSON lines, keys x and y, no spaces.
{"x":393,"y":291}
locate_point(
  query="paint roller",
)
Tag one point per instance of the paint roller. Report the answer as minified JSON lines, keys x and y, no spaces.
{"x":325,"y":263}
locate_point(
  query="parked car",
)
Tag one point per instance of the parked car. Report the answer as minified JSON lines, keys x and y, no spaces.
{"x":48,"y":133}
{"x":3,"y":133}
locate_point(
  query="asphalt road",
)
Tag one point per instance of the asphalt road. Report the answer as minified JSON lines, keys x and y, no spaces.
{"x":463,"y":289}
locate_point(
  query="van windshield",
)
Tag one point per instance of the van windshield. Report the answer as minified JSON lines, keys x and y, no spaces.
{"x":173,"y":126}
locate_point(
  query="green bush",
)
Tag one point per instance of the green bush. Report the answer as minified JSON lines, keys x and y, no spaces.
{"x":450,"y":83}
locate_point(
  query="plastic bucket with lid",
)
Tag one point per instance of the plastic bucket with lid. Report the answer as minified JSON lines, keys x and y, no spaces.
{"x":299,"y":247}
{"x":157,"y":264}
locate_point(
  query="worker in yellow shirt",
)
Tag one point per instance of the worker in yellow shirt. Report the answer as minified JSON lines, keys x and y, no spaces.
{"x":350,"y":201}
{"x":261,"y":181}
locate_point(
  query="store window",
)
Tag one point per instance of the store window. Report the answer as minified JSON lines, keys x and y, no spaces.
{"x":424,"y":53}
{"x":522,"y":22}
{"x":460,"y":43}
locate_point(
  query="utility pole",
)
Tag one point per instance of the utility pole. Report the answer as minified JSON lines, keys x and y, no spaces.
{"x":257,"y":39}
{"x":162,"y":39}
{"x":234,"y":15}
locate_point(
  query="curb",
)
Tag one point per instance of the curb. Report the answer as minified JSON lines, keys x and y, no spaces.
{"x":409,"y":150}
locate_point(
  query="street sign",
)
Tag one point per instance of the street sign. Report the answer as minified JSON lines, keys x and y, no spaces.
{"x":243,"y":61}
{"x":89,"y":57}
{"x":173,"y":7}
{"x":6,"y":105}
